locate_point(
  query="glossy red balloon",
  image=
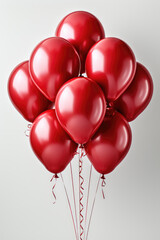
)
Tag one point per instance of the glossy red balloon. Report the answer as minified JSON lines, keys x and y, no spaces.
{"x":111,"y":63}
{"x":53,"y":62}
{"x":50,"y":142}
{"x":25,"y":96}
{"x":137,"y":96}
{"x":110,"y":144}
{"x":83,"y":30}
{"x":80,"y":108}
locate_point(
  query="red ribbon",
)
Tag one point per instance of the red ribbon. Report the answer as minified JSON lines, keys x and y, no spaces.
{"x":81,"y":195}
{"x":103,"y":185}
{"x":55,"y":176}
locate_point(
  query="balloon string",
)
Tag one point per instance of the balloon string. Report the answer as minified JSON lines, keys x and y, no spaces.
{"x":27,"y":132}
{"x":70,"y":208}
{"x":93,"y":204}
{"x":81,"y":195}
{"x":54,"y":185}
{"x":89,"y":184}
{"x":74,"y":198}
{"x":103,"y":185}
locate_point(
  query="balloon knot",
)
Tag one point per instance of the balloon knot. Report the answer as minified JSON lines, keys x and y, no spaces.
{"x":110,"y":111}
{"x":81,"y":145}
{"x":103,"y":177}
{"x":54,"y":176}
{"x":110,"y":105}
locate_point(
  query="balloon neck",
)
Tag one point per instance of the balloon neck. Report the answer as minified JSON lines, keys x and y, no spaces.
{"x":81,"y":145}
{"x":81,"y":75}
{"x":109,"y":104}
{"x":56,"y":176}
{"x":110,"y":109}
{"x":103,"y":177}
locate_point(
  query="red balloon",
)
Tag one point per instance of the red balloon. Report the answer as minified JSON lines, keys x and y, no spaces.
{"x":83,"y":30}
{"x":53,"y":62}
{"x":25,"y":96}
{"x":110,"y":144}
{"x":111,"y":63}
{"x":137,"y":96}
{"x":80,"y":108}
{"x":50,"y":142}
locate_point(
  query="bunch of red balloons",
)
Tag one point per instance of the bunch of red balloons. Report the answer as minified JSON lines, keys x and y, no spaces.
{"x":69,"y":110}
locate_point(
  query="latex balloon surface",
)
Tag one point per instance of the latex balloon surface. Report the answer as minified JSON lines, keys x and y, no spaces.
{"x":83,"y":30}
{"x":137,"y":96}
{"x":111,"y":63}
{"x":53,"y":62}
{"x":25,"y":96}
{"x":50,"y":142}
{"x":80,"y":108}
{"x":110,"y":144}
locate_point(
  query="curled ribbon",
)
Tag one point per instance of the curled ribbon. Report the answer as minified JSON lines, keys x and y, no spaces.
{"x":27,"y":132}
{"x":103,"y":185}
{"x":81,"y":189}
{"x":55,"y":176}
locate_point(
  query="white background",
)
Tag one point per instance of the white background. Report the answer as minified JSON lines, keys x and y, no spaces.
{"x":132,"y":206}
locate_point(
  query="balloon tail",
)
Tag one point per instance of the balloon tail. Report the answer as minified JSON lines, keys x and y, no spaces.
{"x":55,"y":176}
{"x":27,"y":132}
{"x":103,"y":185}
{"x":81,"y":194}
